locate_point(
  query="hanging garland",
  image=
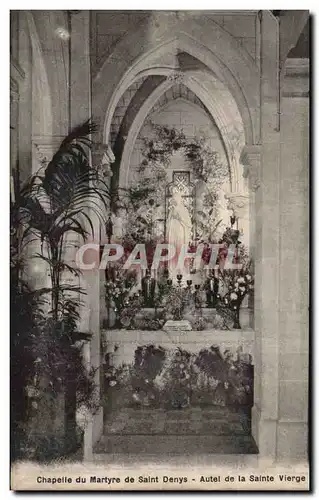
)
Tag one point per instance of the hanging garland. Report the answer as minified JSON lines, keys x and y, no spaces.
{"x":149,"y":192}
{"x":205,"y":163}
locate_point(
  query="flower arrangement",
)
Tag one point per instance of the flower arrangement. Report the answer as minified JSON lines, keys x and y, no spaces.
{"x":238,"y":286}
{"x":199,"y":323}
{"x":178,"y":378}
{"x":153,"y":323}
{"x":118,"y":295}
{"x":148,"y":362}
{"x":175,"y":301}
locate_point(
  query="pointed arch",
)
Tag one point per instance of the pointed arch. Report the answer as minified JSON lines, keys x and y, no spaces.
{"x":154,"y":49}
{"x":213,"y":101}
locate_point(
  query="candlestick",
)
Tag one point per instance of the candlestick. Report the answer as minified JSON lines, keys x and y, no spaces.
{"x":109,"y":229}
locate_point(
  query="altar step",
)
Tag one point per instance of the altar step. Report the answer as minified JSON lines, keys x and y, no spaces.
{"x":213,"y":420}
{"x":167,"y":446}
{"x":150,"y":431}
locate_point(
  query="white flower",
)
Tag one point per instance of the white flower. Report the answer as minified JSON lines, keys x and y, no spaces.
{"x":241,"y":280}
{"x":242,"y":288}
{"x":181,"y":365}
{"x":187,"y":376}
{"x":213,"y":383}
{"x":248,"y":277}
{"x":233,"y":296}
{"x":113,"y":383}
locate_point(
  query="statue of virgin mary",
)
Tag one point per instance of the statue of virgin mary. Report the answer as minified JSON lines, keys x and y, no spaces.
{"x":179,"y":226}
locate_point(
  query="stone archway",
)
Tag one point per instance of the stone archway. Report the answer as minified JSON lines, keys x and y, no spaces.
{"x":143,"y":50}
{"x":206,"y":76}
{"x":214,"y":103}
{"x":256,"y":91}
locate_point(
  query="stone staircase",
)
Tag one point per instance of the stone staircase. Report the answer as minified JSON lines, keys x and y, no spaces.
{"x":150,"y":431}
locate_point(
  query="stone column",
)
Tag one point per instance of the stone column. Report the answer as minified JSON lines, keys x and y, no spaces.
{"x":14,"y":124}
{"x":79,"y":112}
{"x":263,"y":169}
{"x":24,"y":62}
{"x":103,"y":158}
{"x":294,"y":263}
{"x":36,"y":270}
{"x":278,"y":177}
{"x":251,"y":160}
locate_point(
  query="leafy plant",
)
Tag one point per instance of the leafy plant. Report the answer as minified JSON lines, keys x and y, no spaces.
{"x":238,"y":285}
{"x":175,"y":301}
{"x":57,"y":201}
{"x":118,"y":295}
{"x":178,"y":378}
{"x":61,"y":201}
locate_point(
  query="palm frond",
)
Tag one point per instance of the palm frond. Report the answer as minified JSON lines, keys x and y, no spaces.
{"x":80,"y":132}
{"x":69,"y":172}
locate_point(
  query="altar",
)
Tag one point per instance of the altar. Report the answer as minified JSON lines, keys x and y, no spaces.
{"x":121,"y":344}
{"x":163,"y":389}
{"x":176,"y":315}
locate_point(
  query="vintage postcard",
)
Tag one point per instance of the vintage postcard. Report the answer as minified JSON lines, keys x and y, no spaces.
{"x":159,"y":257}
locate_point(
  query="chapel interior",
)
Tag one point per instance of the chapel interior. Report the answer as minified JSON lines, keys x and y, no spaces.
{"x":202,"y":137}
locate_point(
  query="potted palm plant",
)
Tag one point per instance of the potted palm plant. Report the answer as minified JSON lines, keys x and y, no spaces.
{"x":65,"y":197}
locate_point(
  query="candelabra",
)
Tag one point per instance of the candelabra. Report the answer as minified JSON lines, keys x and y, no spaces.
{"x":109,"y":229}
{"x":109,"y":234}
{"x":179,"y":278}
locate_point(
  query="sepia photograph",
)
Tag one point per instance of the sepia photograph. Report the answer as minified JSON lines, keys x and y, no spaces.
{"x":159,"y":250}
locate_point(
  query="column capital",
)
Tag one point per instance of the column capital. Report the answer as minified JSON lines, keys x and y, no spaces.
{"x":45,"y":147}
{"x":238,"y":203}
{"x":103,"y":156}
{"x":251,"y":160}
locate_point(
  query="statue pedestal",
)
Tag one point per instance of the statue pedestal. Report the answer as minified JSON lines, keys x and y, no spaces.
{"x":177,"y":326}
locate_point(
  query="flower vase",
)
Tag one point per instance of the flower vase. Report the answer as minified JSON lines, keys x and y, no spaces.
{"x":236,"y":324}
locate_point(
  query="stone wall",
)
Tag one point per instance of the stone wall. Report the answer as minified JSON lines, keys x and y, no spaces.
{"x":294,"y":266}
{"x":110,"y":27}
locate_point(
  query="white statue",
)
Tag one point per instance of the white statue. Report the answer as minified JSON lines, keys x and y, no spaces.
{"x":179,"y":227}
